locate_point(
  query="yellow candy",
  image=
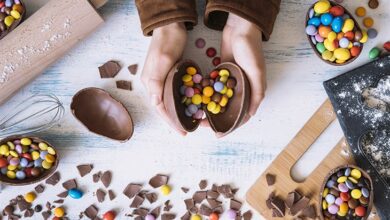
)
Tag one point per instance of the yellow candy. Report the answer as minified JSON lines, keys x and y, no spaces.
{"x":356,"y":194}
{"x":329,"y":45}
{"x":196,"y":217}
{"x":50,"y":158}
{"x":196,"y":99}
{"x":11,"y":174}
{"x":188,"y":101}
{"x":59,"y":212}
{"x":15,"y":14}
{"x":189,"y":84}
{"x":217,"y":109}
{"x":51,"y":151}
{"x":30,"y":197}
{"x":25,"y":141}
{"x":208,"y":91}
{"x":46,"y":165}
{"x":211,"y":106}
{"x":205,"y":100}
{"x":11,"y":145}
{"x":341,"y":179}
{"x":4,"y":150}
{"x":342,"y":54}
{"x":18,"y":7}
{"x":352,"y":180}
{"x":343,"y":208}
{"x":324,"y":204}
{"x":322,"y":6}
{"x":165,"y":190}
{"x":332,"y":36}
{"x":325,"y":192}
{"x":327,"y":55}
{"x":332,"y":59}
{"x":355,"y":173}
{"x":224,"y":79}
{"x":12,"y":167}
{"x":42,"y":146}
{"x":13,"y":153}
{"x":9,"y":20}
{"x":191,"y":70}
{"x":341,"y":214}
{"x":186,"y":78}
{"x":340,"y":61}
{"x":224,"y":72}
{"x":349,"y":24}
{"x":35,"y":155}
{"x":350,"y":45}
{"x":364,"y":37}
{"x":229,"y":93}
{"x":224,"y":101}
{"x":224,"y":90}
{"x":25,"y":149}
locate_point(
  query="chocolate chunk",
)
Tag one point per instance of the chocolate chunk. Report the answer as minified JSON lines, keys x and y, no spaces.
{"x":235,"y":205}
{"x":300,"y":205}
{"x":106,"y":178}
{"x":279,"y":206}
{"x":137,"y":201}
{"x":132,"y":189}
{"x":373,"y":4}
{"x":111,"y":195}
{"x":151,"y":197}
{"x":96,"y":177}
{"x":70,"y":184}
{"x":38,"y":208}
{"x":53,"y":179}
{"x":203,"y":184}
{"x":184,"y":189}
{"x":138,"y":218}
{"x":49,"y":206}
{"x":214,"y":203}
{"x":270,"y":179}
{"x":158,"y":180}
{"x":133,"y":69}
{"x":189,"y":203}
{"x":309,"y":212}
{"x":199,"y":196}
{"x":124,"y":84}
{"x":268,"y":201}
{"x":63,"y":194}
{"x":23,"y":205}
{"x":100,"y":194}
{"x":168,"y":216}
{"x":91,"y":212}
{"x":167,"y":206}
{"x":8,"y":210}
{"x":156,"y":212}
{"x":225,"y":190}
{"x":292,"y":198}
{"x":276,"y":213}
{"x":141,"y":212}
{"x":218,"y":210}
{"x":247,"y":215}
{"x":59,"y":201}
{"x":46,"y":214}
{"x":40,"y":188}
{"x":110,"y":69}
{"x":212,"y":194}
{"x":205,"y":210}
{"x":234,"y":191}
{"x":186,"y":216}
{"x":214,"y":187}
{"x":84,"y":169}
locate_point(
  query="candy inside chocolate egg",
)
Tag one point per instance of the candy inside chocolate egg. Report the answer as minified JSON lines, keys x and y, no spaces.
{"x":11,"y":17}
{"x":102,"y":114}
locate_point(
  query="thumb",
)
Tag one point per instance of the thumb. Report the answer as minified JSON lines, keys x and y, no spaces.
{"x":156,"y":90}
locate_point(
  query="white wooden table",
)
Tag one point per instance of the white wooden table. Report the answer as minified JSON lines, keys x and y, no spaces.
{"x":295,"y":91}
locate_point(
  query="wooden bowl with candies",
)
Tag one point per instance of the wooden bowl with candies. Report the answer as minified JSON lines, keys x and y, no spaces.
{"x":333,"y":33}
{"x":12,"y":13}
{"x":26,"y":160}
{"x":347,"y":193}
{"x":221,"y":96}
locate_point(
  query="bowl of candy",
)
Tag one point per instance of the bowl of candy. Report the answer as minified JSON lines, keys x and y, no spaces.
{"x":12,"y":13}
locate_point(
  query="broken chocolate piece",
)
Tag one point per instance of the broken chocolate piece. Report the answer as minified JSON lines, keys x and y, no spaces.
{"x":138,"y":218}
{"x":141,"y":212}
{"x":38,"y":208}
{"x":132,"y":189}
{"x":84,"y":169}
{"x":106,"y":178}
{"x":184,"y":189}
{"x":111,"y":195}
{"x":214,"y":203}
{"x":309,"y":212}
{"x":235,"y":205}
{"x":110,"y":69}
{"x":205,"y":210}
{"x":8,"y":210}
{"x":218,"y":210}
{"x":189,"y":203}
{"x":133,"y":69}
{"x":59,"y":201}
{"x":300,"y":205}
{"x":186,"y":216}
{"x":48,"y":205}
{"x":100,"y":194}
{"x":91,"y":212}
{"x":39,"y":188}
{"x":279,"y":206}
{"x":96,"y":177}
{"x":53,"y":179}
{"x":247,"y":215}
{"x":225,"y":190}
{"x":63,"y":194}
{"x":276,"y":213}
{"x":151,"y":197}
{"x":124,"y":84}
{"x":212,"y":194}
{"x":292,"y":198}
{"x":167,"y":206}
{"x":268,"y":201}
{"x":199,"y":196}
{"x":137,"y":201}
{"x":158,"y":180}
{"x":270,"y":179}
{"x":156,"y":212}
{"x":70,"y":184}
{"x":168,"y":216}
{"x":46,"y":214}
{"x":23,"y":205}
{"x":203,"y":184}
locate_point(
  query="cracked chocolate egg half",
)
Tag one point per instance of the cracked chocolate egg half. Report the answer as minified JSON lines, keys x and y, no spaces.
{"x":102,"y":114}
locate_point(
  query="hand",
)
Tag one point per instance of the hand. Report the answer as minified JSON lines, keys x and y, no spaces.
{"x":165,"y":49}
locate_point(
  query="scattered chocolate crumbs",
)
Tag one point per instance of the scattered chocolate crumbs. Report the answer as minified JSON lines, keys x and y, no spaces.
{"x":156,"y":212}
{"x":28,"y":213}
{"x":137,"y":201}
{"x":158,"y":180}
{"x":131,"y":190}
{"x":184,"y":189}
{"x":205,"y":210}
{"x":53,"y":179}
{"x":168,"y":216}
{"x":247,"y":215}
{"x":46,"y":214}
{"x":84,"y":169}
{"x":63,"y":194}
{"x":23,"y":205}
{"x":167,"y":206}
{"x":199,"y":196}
{"x":151,"y":197}
{"x":59,"y":201}
{"x":38,"y":208}
{"x":106,"y":178}
{"x":299,"y":206}
{"x":203,"y":184}
{"x":100,"y":194}
{"x":110,"y":69}
{"x":235,"y":205}
{"x":48,"y":206}
{"x":39,"y":188}
{"x":133,"y":69}
{"x":270,"y":178}
{"x":91,"y":212}
{"x":111,"y":195}
{"x":309,"y":212}
{"x":70,"y":184}
{"x":225,"y":190}
{"x":278,"y":206}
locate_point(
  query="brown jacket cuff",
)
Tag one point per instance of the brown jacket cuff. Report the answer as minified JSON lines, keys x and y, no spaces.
{"x":157,"y":13}
{"x":260,"y":12}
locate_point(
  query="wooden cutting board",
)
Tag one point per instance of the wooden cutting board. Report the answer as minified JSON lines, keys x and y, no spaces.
{"x":282,"y":165}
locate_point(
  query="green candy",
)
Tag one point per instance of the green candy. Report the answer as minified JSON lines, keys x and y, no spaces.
{"x":320,"y":47}
{"x":374,"y":53}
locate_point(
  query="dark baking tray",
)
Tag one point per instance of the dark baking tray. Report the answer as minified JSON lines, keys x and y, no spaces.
{"x":356,"y":119}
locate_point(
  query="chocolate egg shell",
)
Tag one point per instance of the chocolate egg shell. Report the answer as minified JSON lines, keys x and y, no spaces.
{"x":337,"y":169}
{"x":31,"y":180}
{"x":16,"y":22}
{"x":102,"y":114}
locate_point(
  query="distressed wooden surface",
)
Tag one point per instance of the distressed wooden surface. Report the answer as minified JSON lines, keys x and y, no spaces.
{"x":295,"y":91}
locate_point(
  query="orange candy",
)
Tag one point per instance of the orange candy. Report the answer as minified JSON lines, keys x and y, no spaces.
{"x":360,"y":11}
{"x":368,"y":22}
{"x":324,"y":31}
{"x":355,"y":51}
{"x":360,"y":211}
{"x":340,"y":35}
{"x":349,"y":35}
{"x":344,"y":196}
{"x":214,"y":216}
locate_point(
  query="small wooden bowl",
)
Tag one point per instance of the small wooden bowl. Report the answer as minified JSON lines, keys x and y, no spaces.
{"x":101,"y":114}
{"x":313,"y":46}
{"x":16,"y":22}
{"x":364,"y":174}
{"x":31,"y":180}
{"x":223,"y":123}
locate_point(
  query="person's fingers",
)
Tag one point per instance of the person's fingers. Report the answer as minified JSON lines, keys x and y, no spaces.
{"x":226,"y":46}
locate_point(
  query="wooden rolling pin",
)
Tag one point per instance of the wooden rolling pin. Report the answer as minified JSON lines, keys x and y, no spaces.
{"x":44,"y":38}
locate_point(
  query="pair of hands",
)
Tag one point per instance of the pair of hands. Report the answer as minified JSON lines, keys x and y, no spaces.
{"x":241,"y":44}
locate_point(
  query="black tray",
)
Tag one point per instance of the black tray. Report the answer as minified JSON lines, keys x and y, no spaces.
{"x":356,"y":119}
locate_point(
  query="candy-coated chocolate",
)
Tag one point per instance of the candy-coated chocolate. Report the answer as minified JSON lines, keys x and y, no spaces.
{"x":110,"y":215}
{"x":208,"y":91}
{"x":356,"y":193}
{"x":330,"y":199}
{"x":352,"y":203}
{"x":197,"y":99}
{"x":200,"y":43}
{"x":324,"y":31}
{"x":355,"y":173}
{"x":343,"y":55}
{"x":364,"y":37}
{"x":387,"y":46}
{"x":322,"y":6}
{"x":214,"y":216}
{"x":197,"y":78}
{"x":189,"y":92}
{"x":338,"y":201}
{"x":25,"y":141}
{"x":332,"y":36}
{"x":216,"y":61}
{"x":218,"y":86}
{"x":349,"y":25}
{"x":231,"y":214}
{"x":191,"y":70}
{"x":75,"y":193}
{"x":20,"y":175}
{"x":326,"y":19}
{"x":336,"y":10}
{"x":211,"y":52}
{"x":46,"y":165}
{"x":30,"y":197}
{"x":342,"y":187}
{"x":315,"y":21}
{"x":337,"y":24}
{"x":360,"y":211}
{"x":165,"y":190}
{"x":59,"y":212}
{"x":196,"y":217}
{"x":360,"y":11}
{"x":372,"y":33}
{"x":368,"y":22}
{"x":344,"y":42}
{"x":43,"y":146}
{"x":35,"y":172}
{"x":344,"y":208}
{"x":333,"y":209}
{"x":11,"y":174}
{"x":3,"y":162}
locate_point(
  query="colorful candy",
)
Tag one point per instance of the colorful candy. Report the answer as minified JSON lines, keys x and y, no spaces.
{"x":196,"y":217}
{"x":231,"y":214}
{"x":165,"y":190}
{"x":368,"y":22}
{"x":374,"y":53}
{"x":59,"y":212}
{"x":387,"y":46}
{"x":75,"y":193}
{"x":30,"y":197}
{"x":110,"y":215}
{"x":211,"y":52}
{"x":360,"y":11}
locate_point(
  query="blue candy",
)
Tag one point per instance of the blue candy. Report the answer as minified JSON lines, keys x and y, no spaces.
{"x":20,"y":175}
{"x":337,"y":24}
{"x":218,"y":86}
{"x":75,"y":193}
{"x":192,"y":108}
{"x":311,"y":13}
{"x":38,"y":162}
{"x":43,"y":154}
{"x":9,"y":3}
{"x":187,"y":112}
{"x":315,"y":21}
{"x":347,"y":172}
{"x":326,"y":19}
{"x":4,"y":170}
{"x":23,"y":162}
{"x":365,"y":192}
{"x":330,"y":183}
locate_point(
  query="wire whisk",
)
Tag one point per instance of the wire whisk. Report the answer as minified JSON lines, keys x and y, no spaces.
{"x":36,"y":113}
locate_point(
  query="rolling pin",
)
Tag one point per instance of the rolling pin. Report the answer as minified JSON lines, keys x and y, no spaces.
{"x":42,"y":39}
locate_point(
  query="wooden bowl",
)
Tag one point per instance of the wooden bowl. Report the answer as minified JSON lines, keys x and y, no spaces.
{"x":313,"y":46}
{"x":364,"y":174}
{"x":223,"y":123}
{"x":16,"y":22}
{"x":101,"y":114}
{"x":31,"y":180}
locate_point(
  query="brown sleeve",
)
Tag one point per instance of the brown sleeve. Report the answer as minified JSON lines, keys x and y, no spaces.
{"x":260,"y":12}
{"x":157,"y":13}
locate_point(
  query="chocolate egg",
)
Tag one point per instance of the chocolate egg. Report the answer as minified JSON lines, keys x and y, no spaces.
{"x":15,"y":23}
{"x":102,"y":114}
{"x":223,"y":123}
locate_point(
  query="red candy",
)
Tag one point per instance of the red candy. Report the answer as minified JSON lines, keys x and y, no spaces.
{"x":355,"y":51}
{"x":110,"y":215}
{"x":387,"y":46}
{"x":56,"y":218}
{"x":214,"y":74}
{"x":214,"y":216}
{"x":360,"y":211}
{"x":216,"y":61}
{"x":3,"y":162}
{"x":336,"y":11}
{"x":211,"y":52}
{"x":350,"y":35}
{"x":196,"y":91}
{"x":28,"y":171}
{"x":345,"y":196}
{"x":27,"y":156}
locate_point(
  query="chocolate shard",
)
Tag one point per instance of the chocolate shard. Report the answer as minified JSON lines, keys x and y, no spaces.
{"x":111,"y":195}
{"x":151,"y":197}
{"x":137,"y":201}
{"x":184,"y":189}
{"x":106,"y":178}
{"x":70,"y":184}
{"x":247,"y":215}
{"x":189,"y":203}
{"x":225,"y":190}
{"x":158,"y":180}
{"x":84,"y":169}
{"x":53,"y":179}
{"x":203,"y":184}
{"x":214,"y":203}
{"x":214,"y":187}
{"x":110,"y":69}
{"x":270,"y":178}
{"x":23,"y":205}
{"x":168,"y":216}
{"x":124,"y":84}
{"x":28,"y":213}
{"x":101,"y":195}
{"x":59,"y":201}
{"x":141,"y":212}
{"x":292,"y":198}
{"x":268,"y":201}
{"x":63,"y":194}
{"x":156,"y":212}
{"x":235,"y":205}
{"x":212,"y":194}
{"x":205,"y":210}
{"x":276,"y":213}
{"x":186,"y":216}
{"x":96,"y":177}
{"x":131,"y":190}
{"x":309,"y":212}
{"x":133,"y":69}
{"x":300,"y":205}
{"x":218,"y":210}
{"x":91,"y":212}
{"x":167,"y":206}
{"x":138,"y":218}
{"x":279,"y":206}
{"x":39,"y":188}
{"x":46,"y":214}
{"x":199,"y":196}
